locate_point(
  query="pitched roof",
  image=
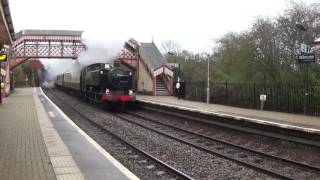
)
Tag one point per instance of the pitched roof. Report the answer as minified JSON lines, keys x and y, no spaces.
{"x":50,"y":32}
{"x":151,"y":55}
{"x":7,"y":15}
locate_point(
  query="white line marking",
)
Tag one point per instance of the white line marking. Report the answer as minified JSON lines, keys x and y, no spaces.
{"x":258,"y":121}
{"x":116,"y":163}
{"x":58,"y":152}
{"x":51,"y":114}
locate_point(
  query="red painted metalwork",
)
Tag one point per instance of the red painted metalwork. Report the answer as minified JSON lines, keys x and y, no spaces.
{"x":46,"y":44}
{"x":7,"y":80}
{"x":48,"y":50}
{"x":128,"y":58}
{"x":14,"y":62}
{"x":129,"y":55}
{"x":36,"y":64}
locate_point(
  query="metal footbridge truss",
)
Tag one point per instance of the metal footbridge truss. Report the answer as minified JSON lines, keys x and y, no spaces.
{"x":58,"y":44}
{"x":129,"y":55}
{"x":147,"y":56}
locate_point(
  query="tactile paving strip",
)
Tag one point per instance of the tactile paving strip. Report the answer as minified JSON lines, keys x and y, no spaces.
{"x":63,"y":164}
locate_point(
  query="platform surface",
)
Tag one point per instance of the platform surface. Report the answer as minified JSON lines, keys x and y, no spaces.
{"x":38,"y":141}
{"x":23,"y":153}
{"x":285,"y":120}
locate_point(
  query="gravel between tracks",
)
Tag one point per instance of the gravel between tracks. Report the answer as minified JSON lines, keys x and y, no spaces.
{"x":193,"y":162}
{"x":281,"y":148}
{"x":296,"y":172}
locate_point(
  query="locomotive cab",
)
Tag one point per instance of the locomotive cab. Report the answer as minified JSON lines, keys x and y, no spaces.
{"x":109,"y":82}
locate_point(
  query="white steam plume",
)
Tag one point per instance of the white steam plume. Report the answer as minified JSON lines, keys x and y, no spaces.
{"x":99,"y":50}
{"x":53,"y":68}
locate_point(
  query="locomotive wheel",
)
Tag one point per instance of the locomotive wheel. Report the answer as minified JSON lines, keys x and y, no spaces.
{"x":85,"y":97}
{"x":123,"y":105}
{"x":103,"y":105}
{"x":132,"y":106}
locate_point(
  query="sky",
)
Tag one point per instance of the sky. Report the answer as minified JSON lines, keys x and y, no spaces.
{"x":193,"y":24}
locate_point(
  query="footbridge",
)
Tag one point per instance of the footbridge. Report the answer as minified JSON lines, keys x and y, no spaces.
{"x":58,"y":44}
{"x":36,"y":44}
{"x":152,"y":74}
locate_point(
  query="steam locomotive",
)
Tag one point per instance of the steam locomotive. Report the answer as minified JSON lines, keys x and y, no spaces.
{"x":103,"y":83}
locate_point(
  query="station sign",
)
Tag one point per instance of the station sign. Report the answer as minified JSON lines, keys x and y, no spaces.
{"x":304,"y":48}
{"x":307,"y":58}
{"x":175,"y":65}
{"x":3,"y":57}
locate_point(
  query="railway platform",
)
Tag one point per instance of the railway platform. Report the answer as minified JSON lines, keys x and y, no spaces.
{"x":305,"y":124}
{"x":38,"y":141}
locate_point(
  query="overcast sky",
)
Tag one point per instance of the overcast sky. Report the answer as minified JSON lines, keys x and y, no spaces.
{"x":191,"y":23}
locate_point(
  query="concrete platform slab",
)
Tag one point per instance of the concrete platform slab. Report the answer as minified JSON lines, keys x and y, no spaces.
{"x":38,"y":141}
{"x":91,"y":159}
{"x":284,"y":120}
{"x":23,"y":153}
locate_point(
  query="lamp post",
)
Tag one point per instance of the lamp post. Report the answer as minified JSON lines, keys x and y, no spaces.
{"x":305,"y":49}
{"x":208,"y":82}
{"x":174,"y":54}
{"x":206,"y":56}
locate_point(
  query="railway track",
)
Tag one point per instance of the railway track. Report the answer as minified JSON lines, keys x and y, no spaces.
{"x":272,"y":165}
{"x":161,"y":169}
{"x":282,"y":159}
{"x":273,"y":132}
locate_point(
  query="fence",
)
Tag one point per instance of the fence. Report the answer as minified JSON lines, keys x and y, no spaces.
{"x":280,"y":97}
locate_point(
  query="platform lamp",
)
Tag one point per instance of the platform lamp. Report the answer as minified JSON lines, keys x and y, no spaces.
{"x":206,"y":57}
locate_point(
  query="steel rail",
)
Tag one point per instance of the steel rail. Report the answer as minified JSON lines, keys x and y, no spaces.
{"x":307,"y":166}
{"x":172,"y":169}
{"x":251,"y":165}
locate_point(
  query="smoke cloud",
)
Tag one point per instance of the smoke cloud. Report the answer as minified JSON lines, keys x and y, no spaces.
{"x":54,"y":67}
{"x":99,"y":50}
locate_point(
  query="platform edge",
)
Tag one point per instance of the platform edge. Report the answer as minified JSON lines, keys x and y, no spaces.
{"x":254,"y":120}
{"x":115,"y":162}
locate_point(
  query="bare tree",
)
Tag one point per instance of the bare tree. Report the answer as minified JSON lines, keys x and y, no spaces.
{"x":170,"y":46}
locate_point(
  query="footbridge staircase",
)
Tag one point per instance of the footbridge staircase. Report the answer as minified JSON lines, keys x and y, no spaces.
{"x":153,"y":74}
